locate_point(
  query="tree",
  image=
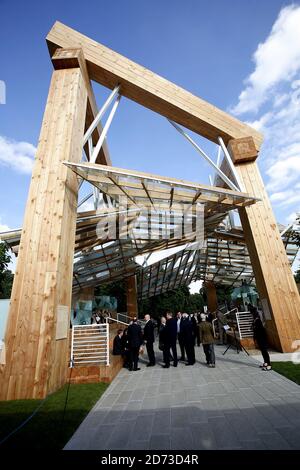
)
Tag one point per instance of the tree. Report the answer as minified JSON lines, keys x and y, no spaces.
{"x":6,"y":276}
{"x":224,"y":293}
{"x":115,"y":289}
{"x":177,"y":300}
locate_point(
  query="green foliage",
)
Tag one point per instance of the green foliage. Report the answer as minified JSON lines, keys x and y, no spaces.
{"x":172,"y":301}
{"x":114,"y":289}
{"x":46,"y":429}
{"x":6,"y":276}
{"x":224,"y":293}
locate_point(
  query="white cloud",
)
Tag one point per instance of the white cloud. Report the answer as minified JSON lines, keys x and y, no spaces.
{"x":275,"y":82}
{"x":291,"y":217}
{"x":3,"y":227}
{"x":280,"y":153}
{"x":18,"y":156}
{"x":276,"y":60}
{"x":286,"y":198}
{"x":284,"y":172}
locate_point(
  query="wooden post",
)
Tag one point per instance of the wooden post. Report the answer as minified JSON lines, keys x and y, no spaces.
{"x":274,"y":279}
{"x":211,"y":292}
{"x":38,"y":324}
{"x":131,"y":289}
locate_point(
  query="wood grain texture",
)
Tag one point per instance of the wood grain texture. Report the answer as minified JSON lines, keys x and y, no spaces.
{"x":36,"y":363}
{"x":150,"y":90}
{"x":131,"y":292}
{"x":70,"y":58}
{"x":242,"y":150}
{"x":273,"y":274}
{"x":212,"y":300}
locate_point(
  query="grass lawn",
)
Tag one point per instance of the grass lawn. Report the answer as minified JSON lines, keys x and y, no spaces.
{"x":288,"y":369}
{"x":46,"y":429}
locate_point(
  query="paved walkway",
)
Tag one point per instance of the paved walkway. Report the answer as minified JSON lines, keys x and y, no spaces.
{"x":234,"y":406}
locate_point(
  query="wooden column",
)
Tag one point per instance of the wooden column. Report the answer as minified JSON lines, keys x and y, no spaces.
{"x":273,"y":274}
{"x":38,"y":324}
{"x":211,"y":292}
{"x":131,"y":290}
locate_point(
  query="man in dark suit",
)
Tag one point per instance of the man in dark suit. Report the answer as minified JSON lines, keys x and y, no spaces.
{"x":118,"y":344}
{"x":149,"y":340}
{"x":194,"y":321}
{"x":135,"y":340}
{"x":188,"y":338}
{"x":179,"y":336}
{"x":171,"y":337}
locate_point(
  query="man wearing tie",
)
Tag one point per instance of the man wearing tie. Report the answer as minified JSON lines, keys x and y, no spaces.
{"x":149,"y":340}
{"x":135,"y":340}
{"x":179,"y":336}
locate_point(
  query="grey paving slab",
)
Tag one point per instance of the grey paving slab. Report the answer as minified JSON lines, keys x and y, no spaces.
{"x":196,"y":413}
{"x":234,"y":406}
{"x":225,"y":436}
{"x":253,"y":445}
{"x":241,"y":427}
{"x":291,"y":435}
{"x":275,"y":441}
{"x":212,"y":407}
{"x":179,"y":417}
{"x":258,"y":421}
{"x":271,"y":413}
{"x":143,"y":427}
{"x":203,"y":436}
{"x":181,"y":438}
{"x":137,"y":445}
{"x":253,"y":396}
{"x":120,"y":436}
{"x":178,"y":397}
{"x":162,"y":422}
{"x":160,"y":442}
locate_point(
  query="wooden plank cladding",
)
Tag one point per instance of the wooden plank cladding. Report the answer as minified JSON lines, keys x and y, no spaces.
{"x":150,"y":90}
{"x":273,"y":275}
{"x":36,"y":363}
{"x":72,"y":58}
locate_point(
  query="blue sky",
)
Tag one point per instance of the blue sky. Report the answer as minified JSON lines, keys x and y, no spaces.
{"x":241,"y":55}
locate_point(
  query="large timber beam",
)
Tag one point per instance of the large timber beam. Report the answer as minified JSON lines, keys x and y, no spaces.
{"x":150,"y":90}
{"x":37,"y":330}
{"x":68,"y":58}
{"x":273,"y":274}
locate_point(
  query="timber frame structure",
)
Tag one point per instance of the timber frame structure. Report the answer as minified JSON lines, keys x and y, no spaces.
{"x":59,"y":250}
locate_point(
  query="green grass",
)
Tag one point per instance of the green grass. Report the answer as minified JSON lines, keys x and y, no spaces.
{"x":288,"y":369}
{"x":46,"y":429}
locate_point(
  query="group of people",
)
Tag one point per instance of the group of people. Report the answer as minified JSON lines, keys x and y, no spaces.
{"x":185,"y":328}
{"x":99,"y":316}
{"x":188,"y":330}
